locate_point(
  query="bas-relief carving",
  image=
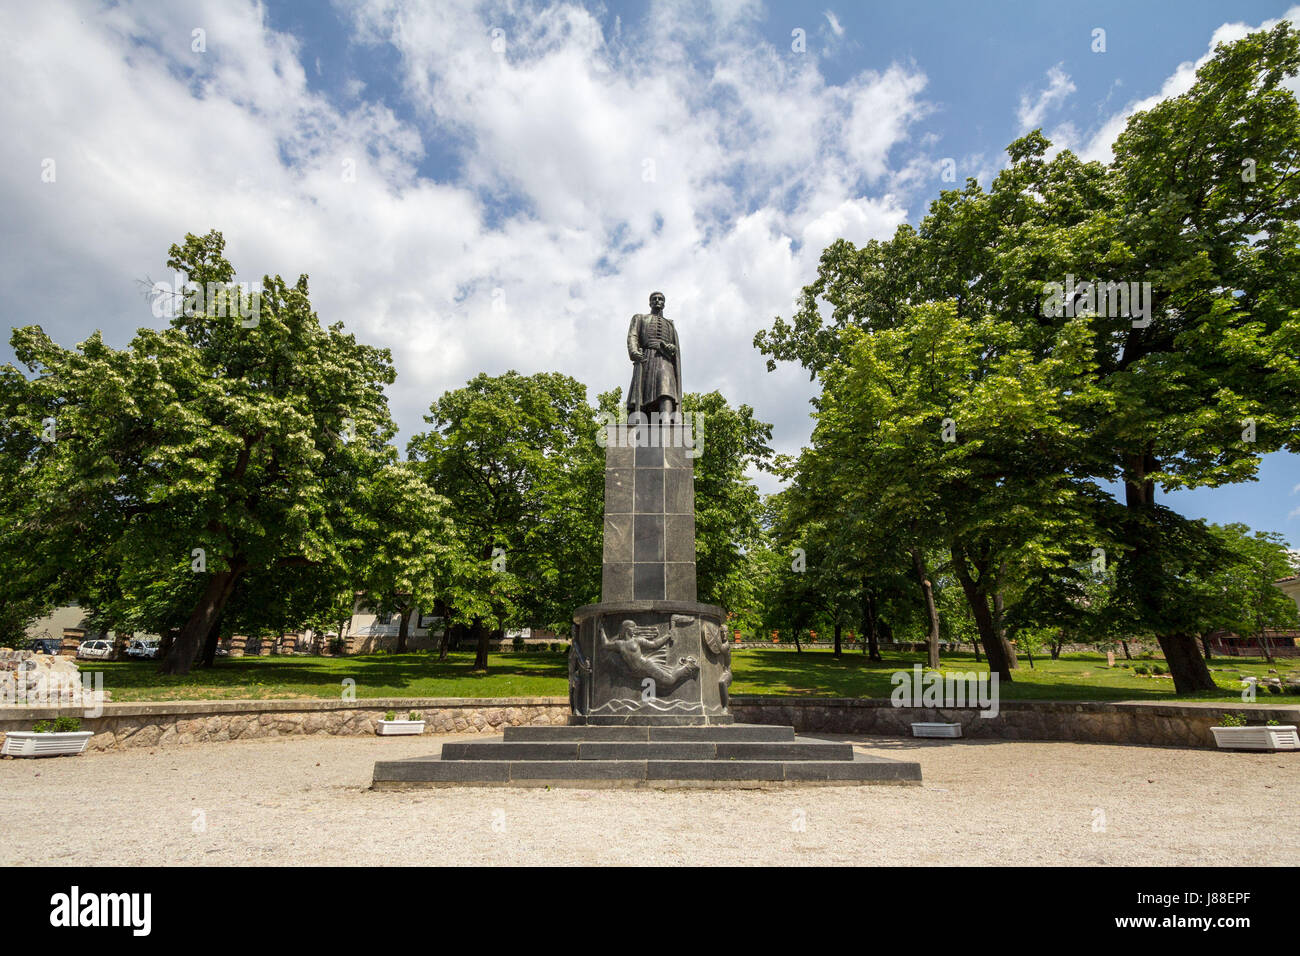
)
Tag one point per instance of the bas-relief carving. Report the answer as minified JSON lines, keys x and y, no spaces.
{"x":644,"y":652}
{"x":715,"y":640}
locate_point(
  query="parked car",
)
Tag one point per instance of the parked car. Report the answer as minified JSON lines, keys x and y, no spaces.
{"x":144,"y":650}
{"x":46,"y":645}
{"x":95,"y":650}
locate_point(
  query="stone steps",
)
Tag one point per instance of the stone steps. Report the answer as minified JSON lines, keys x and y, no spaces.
{"x":594,"y":774}
{"x":740,"y":755}
{"x":798,"y":749}
{"x":719,"y":733}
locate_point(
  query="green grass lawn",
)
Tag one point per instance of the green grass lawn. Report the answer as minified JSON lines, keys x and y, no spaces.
{"x":1072,"y":677}
{"x":543,"y":674}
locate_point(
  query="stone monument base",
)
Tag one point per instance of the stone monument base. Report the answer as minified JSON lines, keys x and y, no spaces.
{"x":646,"y":756}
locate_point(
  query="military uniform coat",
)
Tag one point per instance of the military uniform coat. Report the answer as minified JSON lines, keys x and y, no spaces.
{"x":655,"y":374}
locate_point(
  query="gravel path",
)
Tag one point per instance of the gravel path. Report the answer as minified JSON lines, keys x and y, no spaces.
{"x":297,"y":800}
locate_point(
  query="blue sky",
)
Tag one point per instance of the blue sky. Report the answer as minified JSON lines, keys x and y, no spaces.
{"x":515,"y":195}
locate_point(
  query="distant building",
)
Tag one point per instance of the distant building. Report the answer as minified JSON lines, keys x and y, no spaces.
{"x":368,"y":631}
{"x":71,"y":624}
{"x":1281,"y":643}
{"x":1290,"y":587}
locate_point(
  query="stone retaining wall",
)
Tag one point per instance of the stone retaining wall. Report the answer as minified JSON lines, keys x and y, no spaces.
{"x":184,"y":722}
{"x":1177,"y":725}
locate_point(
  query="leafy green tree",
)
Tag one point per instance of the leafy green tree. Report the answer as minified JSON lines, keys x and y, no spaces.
{"x":1193,"y":377}
{"x":940,"y":433}
{"x":221,"y":447}
{"x":516,"y":458}
{"x":411,"y":555}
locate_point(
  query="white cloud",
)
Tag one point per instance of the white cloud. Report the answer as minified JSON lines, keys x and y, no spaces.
{"x":758,"y":162}
{"x":1032,"y":111}
{"x":834,"y":21}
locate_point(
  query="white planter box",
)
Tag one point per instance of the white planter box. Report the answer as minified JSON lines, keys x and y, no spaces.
{"x":936,"y":730}
{"x":394,"y":728}
{"x":28,"y":743}
{"x":1281,"y":737}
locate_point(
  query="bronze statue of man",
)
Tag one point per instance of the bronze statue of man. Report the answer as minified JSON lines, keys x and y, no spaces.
{"x":656,"y":362}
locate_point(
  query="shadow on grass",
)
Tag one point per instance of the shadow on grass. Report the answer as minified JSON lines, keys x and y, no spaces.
{"x":818,"y":673}
{"x":416,"y":674}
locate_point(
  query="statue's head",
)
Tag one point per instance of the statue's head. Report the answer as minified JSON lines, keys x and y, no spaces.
{"x":657,"y":301}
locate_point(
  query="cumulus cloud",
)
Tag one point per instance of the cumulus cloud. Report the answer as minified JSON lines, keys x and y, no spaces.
{"x":584,"y":169}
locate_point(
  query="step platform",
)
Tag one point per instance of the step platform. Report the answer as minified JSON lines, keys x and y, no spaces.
{"x":654,"y":757}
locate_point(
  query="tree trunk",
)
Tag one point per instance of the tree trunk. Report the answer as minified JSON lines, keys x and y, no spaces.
{"x":185,"y":648}
{"x":444,"y":644}
{"x":481,"y":656}
{"x":1056,"y":649}
{"x":870,"y":627}
{"x":1186,"y":665}
{"x":404,"y":627}
{"x":166,"y":642}
{"x":994,"y":647}
{"x":932,"y":613}
{"x":209,"y":657}
{"x":838,"y":648}
{"x":1128,"y":655}
{"x":1205,"y":647}
{"x":798,"y":649}
{"x":1007,"y":646}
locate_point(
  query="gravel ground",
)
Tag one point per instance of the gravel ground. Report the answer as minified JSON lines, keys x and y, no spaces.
{"x":300,"y":800}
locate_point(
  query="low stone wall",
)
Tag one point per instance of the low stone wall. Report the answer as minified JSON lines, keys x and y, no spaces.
{"x":1177,"y":725}
{"x":186,"y":722}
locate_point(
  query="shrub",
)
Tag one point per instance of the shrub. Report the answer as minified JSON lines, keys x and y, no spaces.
{"x":413,"y":715}
{"x":1157,"y":669}
{"x":517,"y":644}
{"x":1232,"y":720}
{"x":59,"y":725}
{"x":391,"y":715}
{"x":1141,"y":669}
{"x":1274,"y":688}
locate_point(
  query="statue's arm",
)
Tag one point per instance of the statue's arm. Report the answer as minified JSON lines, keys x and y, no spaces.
{"x":656,"y":643}
{"x":634,"y":339}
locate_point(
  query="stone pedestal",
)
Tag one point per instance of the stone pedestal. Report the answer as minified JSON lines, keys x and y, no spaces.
{"x":649,"y":653}
{"x":649,"y":514}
